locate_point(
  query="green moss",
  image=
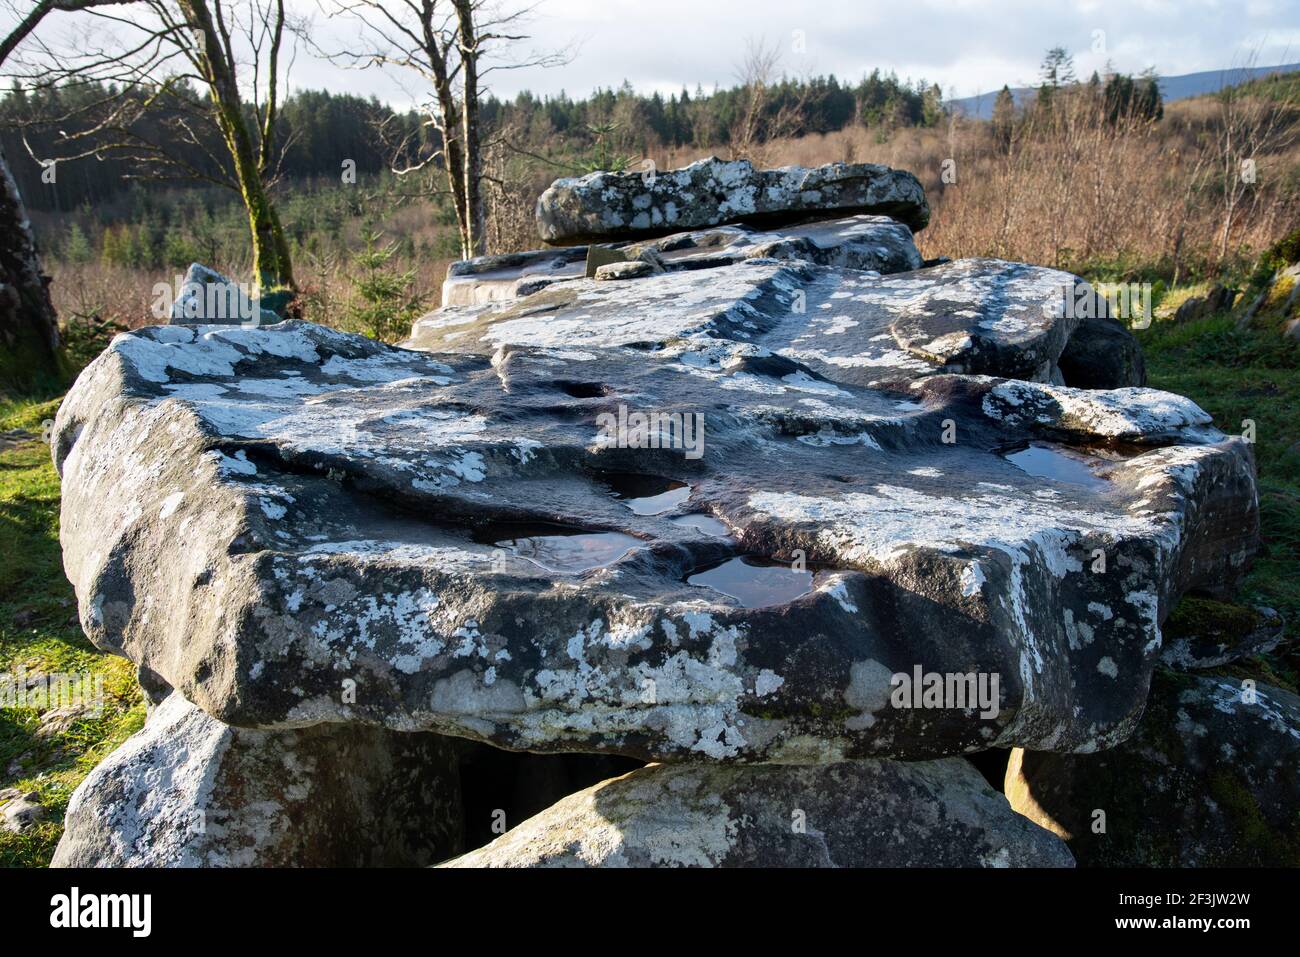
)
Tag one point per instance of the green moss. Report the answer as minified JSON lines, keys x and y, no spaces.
{"x":1224,"y":622}
{"x":1269,"y":845}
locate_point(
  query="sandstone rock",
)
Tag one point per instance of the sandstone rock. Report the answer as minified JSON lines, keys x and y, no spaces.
{"x":207,"y":297}
{"x":604,"y":206}
{"x":1207,"y":780}
{"x":258,"y":514}
{"x":854,"y":814}
{"x":188,"y":791}
{"x":875,"y":243}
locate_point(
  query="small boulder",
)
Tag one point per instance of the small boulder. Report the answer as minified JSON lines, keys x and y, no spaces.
{"x":1219,"y":299}
{"x":22,"y":812}
{"x":206,"y":297}
{"x":1102,"y":354}
{"x":632,"y":269}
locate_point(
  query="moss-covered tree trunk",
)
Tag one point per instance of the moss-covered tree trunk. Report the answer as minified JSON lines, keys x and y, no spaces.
{"x":474,"y":224}
{"x":30,"y":356}
{"x":271,"y":261}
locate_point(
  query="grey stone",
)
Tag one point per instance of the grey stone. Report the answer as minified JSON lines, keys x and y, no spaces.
{"x":633,"y":269}
{"x":872,"y":243}
{"x":975,"y":315}
{"x":257,"y":514}
{"x":188,"y":791}
{"x":605,"y":206}
{"x":506,"y":276}
{"x":853,"y":814}
{"x":208,"y":297}
{"x":1102,"y":354}
{"x":1211,"y":778}
{"x":1219,"y":299}
{"x":22,"y":812}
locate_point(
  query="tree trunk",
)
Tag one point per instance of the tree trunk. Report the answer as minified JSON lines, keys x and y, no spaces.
{"x":271,"y":263}
{"x":30,"y":357}
{"x":475,"y":217}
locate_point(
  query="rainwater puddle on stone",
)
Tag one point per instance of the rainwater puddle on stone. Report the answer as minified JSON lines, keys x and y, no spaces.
{"x":703,"y":523}
{"x":755,"y":582}
{"x":1052,"y":462}
{"x":558,"y":548}
{"x":647,"y":494}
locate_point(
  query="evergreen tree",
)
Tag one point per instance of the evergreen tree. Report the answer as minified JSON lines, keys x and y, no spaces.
{"x":1004,"y":116}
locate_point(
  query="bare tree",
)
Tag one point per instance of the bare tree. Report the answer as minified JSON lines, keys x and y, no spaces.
{"x":146,"y":61}
{"x":1250,"y":127}
{"x":29,"y":329}
{"x":760,"y":124}
{"x":452,"y":46}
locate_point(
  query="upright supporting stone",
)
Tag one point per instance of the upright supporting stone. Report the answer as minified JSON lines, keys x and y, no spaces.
{"x":189,"y":791}
{"x":853,"y":814}
{"x":1211,"y":778}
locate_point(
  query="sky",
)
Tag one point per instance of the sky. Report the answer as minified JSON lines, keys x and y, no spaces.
{"x":966,"y":46}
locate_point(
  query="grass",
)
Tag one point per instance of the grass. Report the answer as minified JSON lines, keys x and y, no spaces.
{"x":39,"y":632}
{"x":1239,"y":375}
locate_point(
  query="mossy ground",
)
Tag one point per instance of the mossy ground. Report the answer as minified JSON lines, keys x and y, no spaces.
{"x":39,"y":633}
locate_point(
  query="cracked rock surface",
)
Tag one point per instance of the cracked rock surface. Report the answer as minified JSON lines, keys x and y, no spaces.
{"x":853,"y":814}
{"x":869,"y":243}
{"x":605,"y":206}
{"x":256,"y":514}
{"x":844,"y":325}
{"x":188,"y":791}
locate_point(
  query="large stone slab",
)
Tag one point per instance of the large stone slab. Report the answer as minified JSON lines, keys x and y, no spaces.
{"x":258,"y":514}
{"x":1211,"y":778}
{"x":188,"y":791}
{"x":973,"y":315}
{"x":875,"y":243}
{"x":854,"y":814}
{"x":605,"y":206}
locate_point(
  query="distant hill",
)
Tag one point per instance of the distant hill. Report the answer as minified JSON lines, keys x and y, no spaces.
{"x":1171,"y":87}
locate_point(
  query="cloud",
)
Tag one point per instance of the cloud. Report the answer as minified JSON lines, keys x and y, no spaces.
{"x":966,"y":46}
